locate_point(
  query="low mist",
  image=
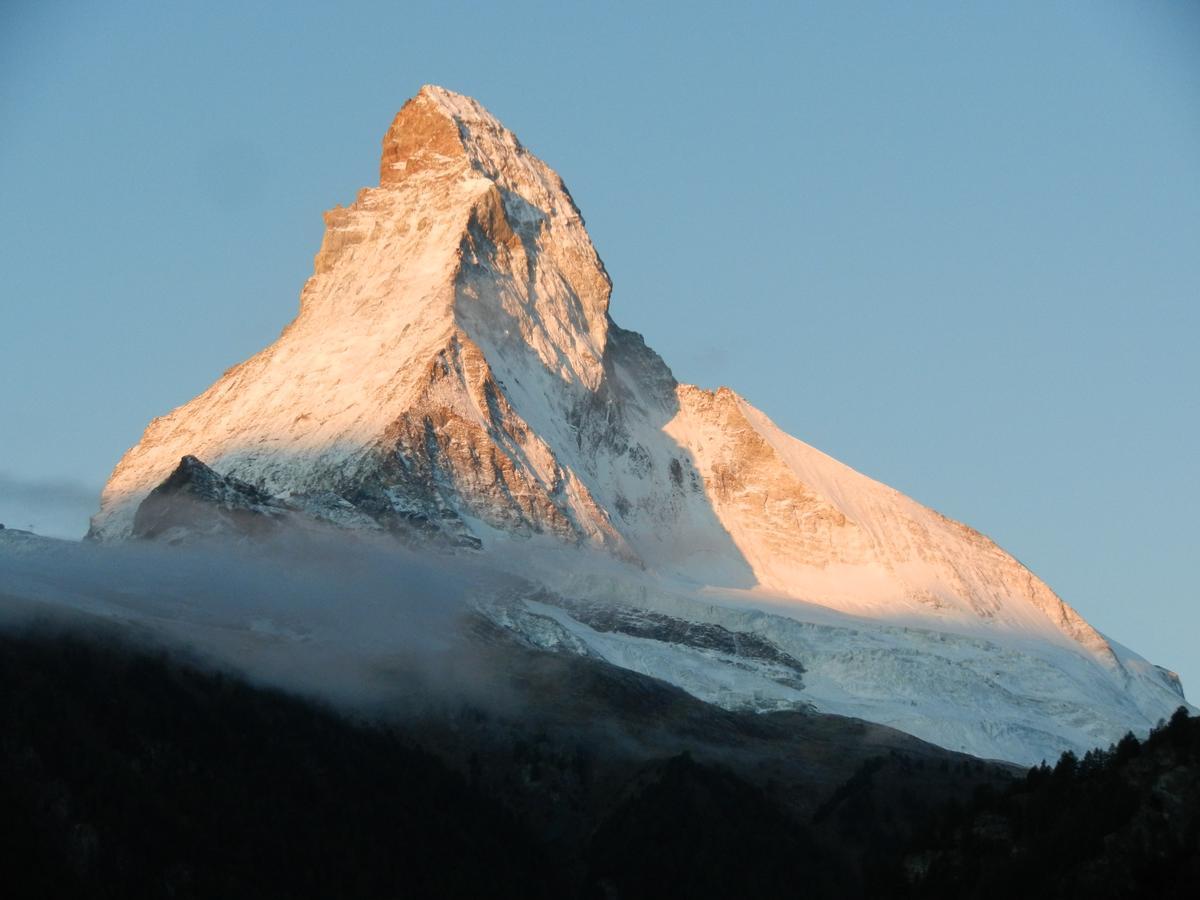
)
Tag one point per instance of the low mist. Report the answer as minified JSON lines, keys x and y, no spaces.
{"x":364,"y":625}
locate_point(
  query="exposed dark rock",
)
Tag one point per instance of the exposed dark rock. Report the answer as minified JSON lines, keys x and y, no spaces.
{"x":196,"y":500}
{"x":655,"y":626}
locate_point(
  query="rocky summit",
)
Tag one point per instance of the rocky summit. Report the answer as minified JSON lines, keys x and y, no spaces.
{"x":454,"y":379}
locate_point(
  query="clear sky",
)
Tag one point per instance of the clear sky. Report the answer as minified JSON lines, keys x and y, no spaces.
{"x":956,"y":245}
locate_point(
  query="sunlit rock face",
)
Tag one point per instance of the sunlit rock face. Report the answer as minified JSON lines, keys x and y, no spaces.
{"x":381,"y":391}
{"x":453,"y":376}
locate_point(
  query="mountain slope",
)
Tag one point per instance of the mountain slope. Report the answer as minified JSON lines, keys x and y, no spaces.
{"x":454,"y":376}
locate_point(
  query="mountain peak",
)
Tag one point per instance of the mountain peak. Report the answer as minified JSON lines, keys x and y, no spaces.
{"x":425,"y":134}
{"x":468,"y":263}
{"x":457,"y":106}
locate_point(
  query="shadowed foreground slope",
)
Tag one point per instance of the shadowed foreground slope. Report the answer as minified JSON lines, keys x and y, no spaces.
{"x":1122,"y":822}
{"x":126,"y":772}
{"x":123,"y":773}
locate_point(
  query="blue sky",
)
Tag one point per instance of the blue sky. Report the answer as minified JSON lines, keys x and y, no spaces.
{"x":956,"y":245}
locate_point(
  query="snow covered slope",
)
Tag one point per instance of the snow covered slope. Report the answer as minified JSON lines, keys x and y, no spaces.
{"x":454,"y":376}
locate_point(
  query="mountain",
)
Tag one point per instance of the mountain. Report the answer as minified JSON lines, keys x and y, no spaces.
{"x":454,"y":379}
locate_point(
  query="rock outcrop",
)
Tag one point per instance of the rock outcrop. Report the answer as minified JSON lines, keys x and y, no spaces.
{"x":196,"y":500}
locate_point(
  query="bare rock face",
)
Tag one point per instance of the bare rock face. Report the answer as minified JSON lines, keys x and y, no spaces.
{"x":454,"y":376}
{"x":196,"y":500}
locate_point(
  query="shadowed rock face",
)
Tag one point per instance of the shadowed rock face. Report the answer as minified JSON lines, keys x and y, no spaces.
{"x":196,"y":500}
